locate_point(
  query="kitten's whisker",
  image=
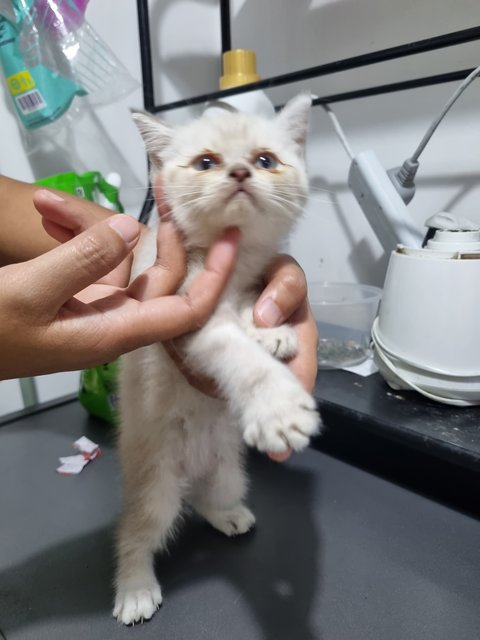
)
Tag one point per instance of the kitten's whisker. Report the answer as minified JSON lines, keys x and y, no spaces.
{"x":318,"y":199}
{"x":181,"y":187}
{"x":321,"y":190}
{"x":295,"y":189}
{"x":276,"y":197}
{"x":286,"y":205}
{"x":301,"y":193}
{"x":195,"y":202}
{"x":133,"y":188}
{"x":309,"y":199}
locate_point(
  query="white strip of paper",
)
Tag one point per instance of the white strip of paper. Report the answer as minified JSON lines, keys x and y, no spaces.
{"x":72,"y":465}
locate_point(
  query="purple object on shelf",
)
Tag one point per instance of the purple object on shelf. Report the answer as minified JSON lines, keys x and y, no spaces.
{"x":59,"y":17}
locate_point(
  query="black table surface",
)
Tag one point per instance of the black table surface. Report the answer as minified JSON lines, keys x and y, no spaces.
{"x":440,"y":430}
{"x":343,"y":550}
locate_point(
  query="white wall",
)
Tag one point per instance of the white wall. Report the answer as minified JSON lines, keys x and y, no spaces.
{"x":333,"y":242}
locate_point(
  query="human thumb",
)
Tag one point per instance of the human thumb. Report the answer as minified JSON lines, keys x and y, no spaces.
{"x":58,"y":275}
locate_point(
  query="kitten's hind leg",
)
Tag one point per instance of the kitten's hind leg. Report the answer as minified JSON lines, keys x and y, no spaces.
{"x":152,"y":504}
{"x":231,"y":522}
{"x":219,"y":497}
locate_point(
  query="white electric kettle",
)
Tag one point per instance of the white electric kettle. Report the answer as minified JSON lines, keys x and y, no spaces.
{"x":427,"y":334}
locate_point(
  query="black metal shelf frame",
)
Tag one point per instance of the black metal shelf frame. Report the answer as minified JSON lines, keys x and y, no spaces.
{"x":392,"y":53}
{"x":383,"y":55}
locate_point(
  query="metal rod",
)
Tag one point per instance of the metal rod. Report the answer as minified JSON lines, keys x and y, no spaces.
{"x":225,"y":25}
{"x":395,"y":86}
{"x":148,"y":87}
{"x":28,"y":388}
{"x":421,"y":46}
{"x":146,"y":55}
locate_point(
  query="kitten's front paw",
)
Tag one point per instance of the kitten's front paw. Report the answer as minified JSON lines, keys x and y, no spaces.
{"x":137,"y":605}
{"x":281,"y":418}
{"x":281,"y":342}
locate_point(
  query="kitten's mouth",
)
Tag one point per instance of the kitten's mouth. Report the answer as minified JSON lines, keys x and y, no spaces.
{"x":240,"y":192}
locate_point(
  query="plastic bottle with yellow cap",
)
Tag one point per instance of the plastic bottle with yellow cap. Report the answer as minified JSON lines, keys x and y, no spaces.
{"x":239,"y":68}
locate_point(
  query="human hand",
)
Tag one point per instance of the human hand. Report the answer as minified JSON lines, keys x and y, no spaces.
{"x":284,"y":299}
{"x":44,"y":328}
{"x":64,"y":217}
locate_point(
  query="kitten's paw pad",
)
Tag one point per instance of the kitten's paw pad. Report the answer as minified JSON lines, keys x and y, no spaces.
{"x":281,"y":342}
{"x":137,"y":605}
{"x":287,"y":420}
{"x":232,"y":522}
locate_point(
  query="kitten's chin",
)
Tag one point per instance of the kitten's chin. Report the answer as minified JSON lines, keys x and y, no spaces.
{"x":240,"y":210}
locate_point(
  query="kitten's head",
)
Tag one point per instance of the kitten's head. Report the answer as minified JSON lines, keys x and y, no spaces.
{"x":233,"y":169}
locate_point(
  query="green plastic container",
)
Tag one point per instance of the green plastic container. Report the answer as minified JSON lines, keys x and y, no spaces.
{"x":90,"y":186}
{"x":98,"y":391}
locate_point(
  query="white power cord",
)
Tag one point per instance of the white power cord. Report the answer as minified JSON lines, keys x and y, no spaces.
{"x":339,"y":130}
{"x":388,"y":361}
{"x":453,"y":98}
{"x":403,"y":177}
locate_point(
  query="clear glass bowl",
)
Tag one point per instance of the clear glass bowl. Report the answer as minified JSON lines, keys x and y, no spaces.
{"x":344,"y":313}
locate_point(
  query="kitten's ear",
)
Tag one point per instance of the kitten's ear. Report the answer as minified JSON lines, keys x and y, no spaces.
{"x":155,"y":133}
{"x":294,"y":117}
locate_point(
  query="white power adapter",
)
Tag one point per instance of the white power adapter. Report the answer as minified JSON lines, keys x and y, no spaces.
{"x":383,"y":207}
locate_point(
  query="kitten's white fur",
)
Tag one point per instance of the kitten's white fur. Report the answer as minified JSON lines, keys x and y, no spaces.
{"x":178,"y":446}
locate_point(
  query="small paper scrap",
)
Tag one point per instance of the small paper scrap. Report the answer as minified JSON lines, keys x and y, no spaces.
{"x":366,"y":368}
{"x":72,"y":465}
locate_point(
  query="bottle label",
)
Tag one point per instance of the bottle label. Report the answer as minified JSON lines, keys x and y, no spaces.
{"x":40,"y":94}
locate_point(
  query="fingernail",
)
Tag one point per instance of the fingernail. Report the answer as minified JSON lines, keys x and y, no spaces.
{"x":279,"y":456}
{"x":269,"y":313}
{"x":50,"y":195}
{"x":126,"y":227}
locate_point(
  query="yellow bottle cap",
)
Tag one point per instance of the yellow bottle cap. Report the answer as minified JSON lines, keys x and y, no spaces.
{"x":239,"y":67}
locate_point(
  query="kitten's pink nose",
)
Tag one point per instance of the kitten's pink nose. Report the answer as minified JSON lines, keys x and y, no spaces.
{"x":239,"y":173}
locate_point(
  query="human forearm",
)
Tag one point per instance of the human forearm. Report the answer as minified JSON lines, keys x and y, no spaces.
{"x":22,"y":234}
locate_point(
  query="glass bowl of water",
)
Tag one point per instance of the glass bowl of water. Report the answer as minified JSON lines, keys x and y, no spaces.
{"x":344,"y":313}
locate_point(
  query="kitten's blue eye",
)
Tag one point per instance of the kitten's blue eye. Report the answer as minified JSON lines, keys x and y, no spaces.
{"x":266,"y":161}
{"x":206,"y":162}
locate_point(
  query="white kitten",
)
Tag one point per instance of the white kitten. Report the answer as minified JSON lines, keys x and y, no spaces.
{"x":177,"y":446}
